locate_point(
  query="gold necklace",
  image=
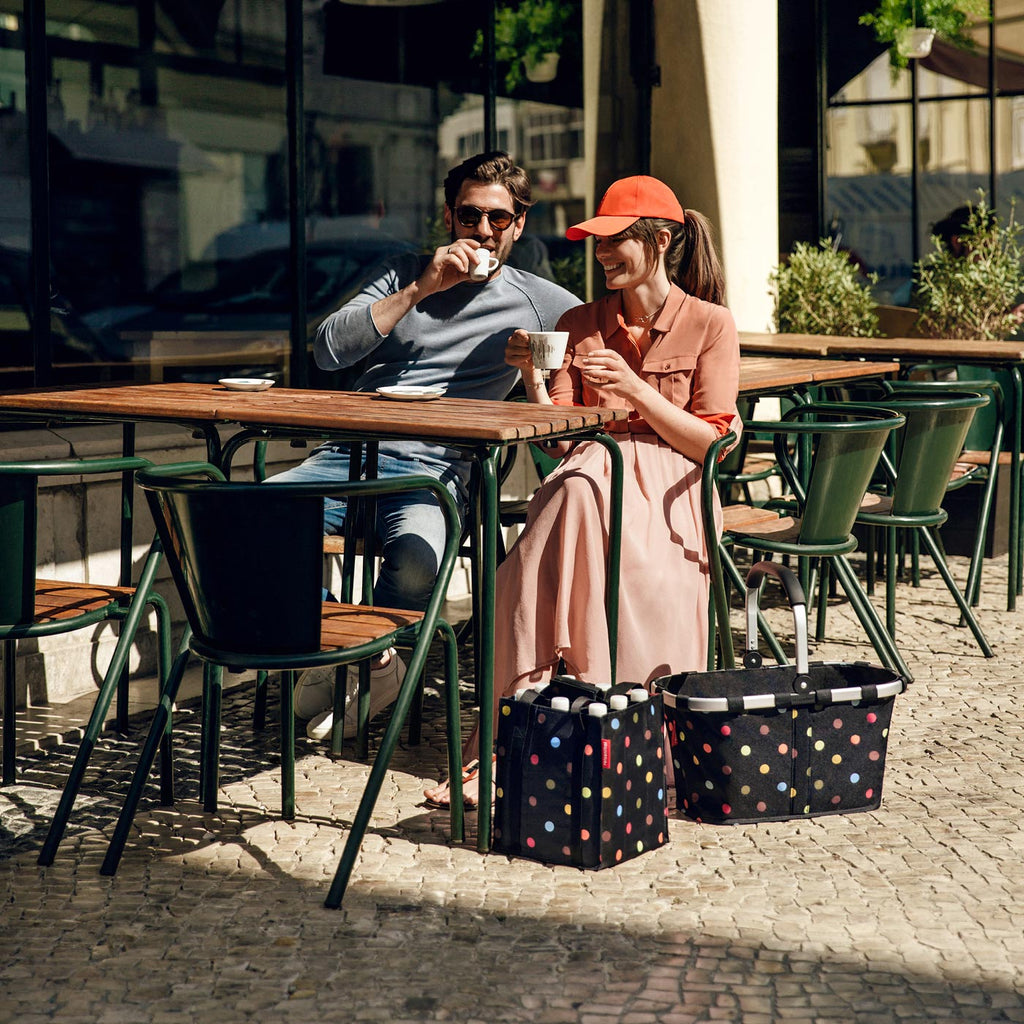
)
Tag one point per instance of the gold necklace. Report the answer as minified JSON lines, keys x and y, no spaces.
{"x":643,"y":321}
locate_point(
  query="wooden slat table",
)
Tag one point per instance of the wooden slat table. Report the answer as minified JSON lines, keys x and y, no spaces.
{"x":765,"y":375}
{"x":480,"y":428}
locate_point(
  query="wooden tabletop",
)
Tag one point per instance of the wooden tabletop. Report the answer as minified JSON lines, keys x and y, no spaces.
{"x":760,"y":374}
{"x":453,"y":420}
{"x":883,"y":348}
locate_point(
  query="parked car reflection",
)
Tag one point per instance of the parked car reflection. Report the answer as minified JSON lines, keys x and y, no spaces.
{"x":212,"y":311}
{"x":76,"y":347}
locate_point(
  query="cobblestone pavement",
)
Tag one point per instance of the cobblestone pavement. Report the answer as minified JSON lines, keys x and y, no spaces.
{"x":913,"y":913}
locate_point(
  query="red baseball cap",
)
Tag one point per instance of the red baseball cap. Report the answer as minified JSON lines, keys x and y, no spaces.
{"x":625,"y":202}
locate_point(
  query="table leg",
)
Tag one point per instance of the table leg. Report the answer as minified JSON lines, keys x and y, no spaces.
{"x":485,"y":646}
{"x":611,"y":588}
{"x":1016,"y":558}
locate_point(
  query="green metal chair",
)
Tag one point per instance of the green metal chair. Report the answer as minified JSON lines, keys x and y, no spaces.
{"x":721,"y":653}
{"x":917,"y":473}
{"x":745,"y":463}
{"x":32,"y":607}
{"x":827,"y":453}
{"x":234,"y":550}
{"x":977,"y":464}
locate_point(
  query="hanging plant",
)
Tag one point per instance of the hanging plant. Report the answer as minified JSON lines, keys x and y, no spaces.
{"x":528,"y":36}
{"x":901,"y":24}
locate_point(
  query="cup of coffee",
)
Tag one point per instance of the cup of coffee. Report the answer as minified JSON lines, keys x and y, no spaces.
{"x":483,"y":265}
{"x":547,"y":349}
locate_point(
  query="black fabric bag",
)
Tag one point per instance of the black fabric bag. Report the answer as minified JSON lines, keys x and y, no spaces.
{"x":769,"y":744}
{"x":572,"y":788}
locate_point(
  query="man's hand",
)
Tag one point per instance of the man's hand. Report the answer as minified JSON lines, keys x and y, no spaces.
{"x":449,"y":266}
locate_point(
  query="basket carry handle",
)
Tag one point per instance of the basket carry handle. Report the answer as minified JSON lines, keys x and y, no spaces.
{"x":797,"y":601}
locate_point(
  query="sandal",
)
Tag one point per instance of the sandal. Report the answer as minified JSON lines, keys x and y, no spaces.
{"x":470,"y":773}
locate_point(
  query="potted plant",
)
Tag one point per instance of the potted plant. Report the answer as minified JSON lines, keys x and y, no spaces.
{"x":972,"y":288}
{"x":908,"y":26}
{"x":528,"y":35}
{"x":819,"y":290}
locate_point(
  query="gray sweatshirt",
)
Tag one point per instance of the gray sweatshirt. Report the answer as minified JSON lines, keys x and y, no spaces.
{"x":455,"y":338}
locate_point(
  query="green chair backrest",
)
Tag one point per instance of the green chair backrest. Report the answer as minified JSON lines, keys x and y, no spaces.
{"x":19,"y":486}
{"x":17,"y":548}
{"x":979,"y":436}
{"x":847,"y":441}
{"x":929,"y":445}
{"x":247,"y":560}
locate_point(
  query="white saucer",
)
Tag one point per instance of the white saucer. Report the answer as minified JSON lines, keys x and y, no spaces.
{"x":246,"y":383}
{"x":410,"y":392}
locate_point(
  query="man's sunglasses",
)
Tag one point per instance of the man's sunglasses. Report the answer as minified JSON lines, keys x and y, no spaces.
{"x":469,"y":217}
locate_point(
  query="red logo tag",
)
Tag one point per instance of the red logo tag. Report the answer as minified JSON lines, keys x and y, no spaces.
{"x":606,"y":753}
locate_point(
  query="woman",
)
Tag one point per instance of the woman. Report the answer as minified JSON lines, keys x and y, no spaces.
{"x":662,"y":346}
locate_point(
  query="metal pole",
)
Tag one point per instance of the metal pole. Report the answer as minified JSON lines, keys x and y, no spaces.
{"x":915,"y":170}
{"x":490,"y":80}
{"x":296,"y":191}
{"x":992,"y":86}
{"x":821,"y":90}
{"x":36,"y":81}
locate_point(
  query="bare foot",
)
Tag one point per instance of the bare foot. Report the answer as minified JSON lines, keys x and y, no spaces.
{"x":440,"y":796}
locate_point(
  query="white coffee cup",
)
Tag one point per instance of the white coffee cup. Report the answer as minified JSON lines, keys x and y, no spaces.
{"x":485,"y":263}
{"x":547,"y":349}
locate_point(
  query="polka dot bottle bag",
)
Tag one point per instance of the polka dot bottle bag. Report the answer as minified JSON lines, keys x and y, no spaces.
{"x":575,"y":787}
{"x":783,"y":741}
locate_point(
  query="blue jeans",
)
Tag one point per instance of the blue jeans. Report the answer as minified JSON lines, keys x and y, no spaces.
{"x":410,"y":526}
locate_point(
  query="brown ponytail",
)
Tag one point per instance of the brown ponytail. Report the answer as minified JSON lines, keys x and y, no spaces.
{"x":696,"y":267}
{"x":691,"y":260}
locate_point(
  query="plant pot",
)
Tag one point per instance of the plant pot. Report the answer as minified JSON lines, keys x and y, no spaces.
{"x":542,"y":70}
{"x":915,"y":43}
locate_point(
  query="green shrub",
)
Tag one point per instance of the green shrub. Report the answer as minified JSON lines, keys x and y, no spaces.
{"x":819,"y":291}
{"x":972,"y":295}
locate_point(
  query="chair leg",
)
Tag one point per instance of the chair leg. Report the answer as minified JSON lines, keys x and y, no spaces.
{"x":288,"y":745}
{"x":415,"y":734}
{"x":377,"y":772}
{"x":973,"y":589}
{"x":965,"y":608}
{"x":259,"y":709}
{"x":762,"y":623}
{"x":882,"y":642}
{"x":97,"y":719}
{"x":454,"y":729}
{"x":338,"y":717}
{"x":163,"y":630}
{"x":145,"y":765}
{"x":10,"y":716}
{"x":210,"y":755}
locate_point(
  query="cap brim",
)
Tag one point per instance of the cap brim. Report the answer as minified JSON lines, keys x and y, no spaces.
{"x":604,"y":226}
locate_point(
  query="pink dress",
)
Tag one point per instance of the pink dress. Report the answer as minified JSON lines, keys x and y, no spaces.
{"x":550,"y":588}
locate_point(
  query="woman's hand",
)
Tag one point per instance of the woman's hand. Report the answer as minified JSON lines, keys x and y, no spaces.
{"x":605,"y":369}
{"x":517,"y":353}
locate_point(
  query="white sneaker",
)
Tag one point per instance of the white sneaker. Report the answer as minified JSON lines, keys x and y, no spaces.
{"x":385,"y":682}
{"x":314,"y":691}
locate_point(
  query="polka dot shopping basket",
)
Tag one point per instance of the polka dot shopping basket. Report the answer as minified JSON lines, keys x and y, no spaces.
{"x":580,"y":774}
{"x":778,"y":742}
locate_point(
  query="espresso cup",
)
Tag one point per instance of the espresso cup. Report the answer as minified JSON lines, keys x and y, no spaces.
{"x":547,"y":348}
{"x":484,"y":264}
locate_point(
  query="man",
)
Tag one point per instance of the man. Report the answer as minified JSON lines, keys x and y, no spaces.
{"x":423,"y":320}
